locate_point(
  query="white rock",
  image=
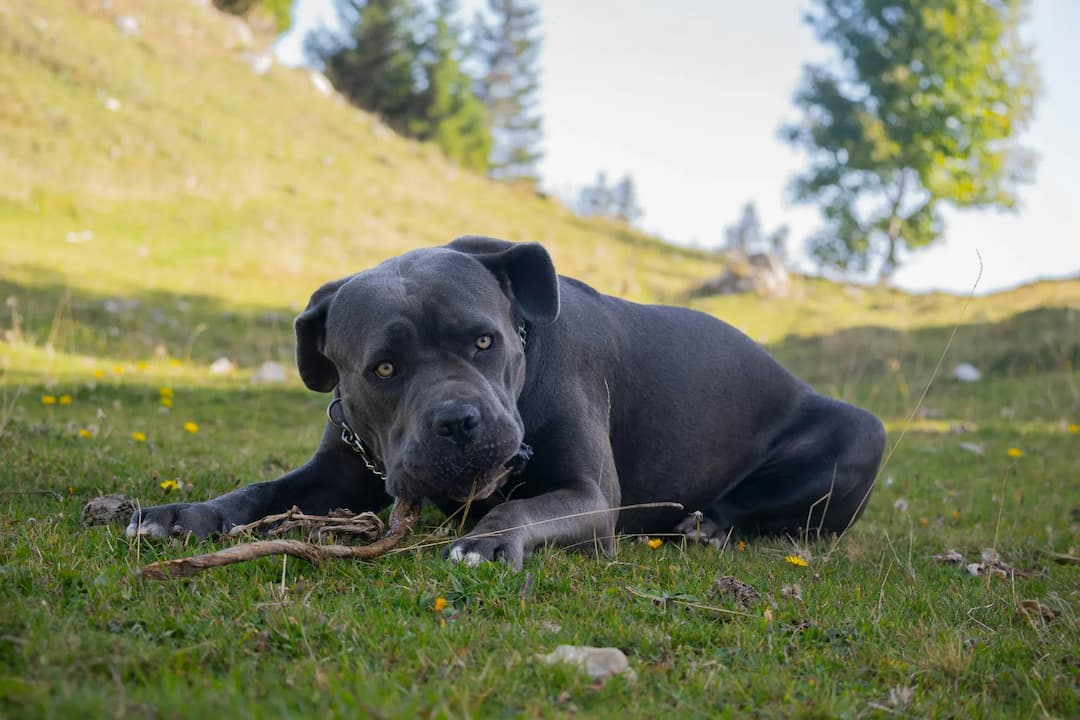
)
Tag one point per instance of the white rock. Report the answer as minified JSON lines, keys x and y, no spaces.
{"x":966,"y":372}
{"x":222,"y":366}
{"x":600,"y":663}
{"x":269,"y":372}
{"x":260,"y":63}
{"x":972,"y":447}
{"x":127,"y":25}
{"x":321,"y":84}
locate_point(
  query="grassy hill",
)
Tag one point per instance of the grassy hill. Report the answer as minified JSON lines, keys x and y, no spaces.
{"x":161,"y":205}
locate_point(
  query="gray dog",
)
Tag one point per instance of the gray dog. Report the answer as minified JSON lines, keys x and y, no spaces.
{"x":473,"y":374}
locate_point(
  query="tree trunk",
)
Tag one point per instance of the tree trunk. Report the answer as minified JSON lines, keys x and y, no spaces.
{"x":888,"y":268}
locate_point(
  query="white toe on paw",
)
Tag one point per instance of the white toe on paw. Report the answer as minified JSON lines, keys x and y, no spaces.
{"x":456,"y":555}
{"x":473,"y":559}
{"x":146,"y":529}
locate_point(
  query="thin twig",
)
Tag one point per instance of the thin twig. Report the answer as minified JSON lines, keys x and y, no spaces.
{"x":664,"y":600}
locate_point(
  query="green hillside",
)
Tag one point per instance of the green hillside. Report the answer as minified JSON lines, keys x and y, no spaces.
{"x":162,"y":205}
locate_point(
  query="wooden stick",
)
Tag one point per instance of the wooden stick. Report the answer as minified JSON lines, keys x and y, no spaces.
{"x":403,"y":518}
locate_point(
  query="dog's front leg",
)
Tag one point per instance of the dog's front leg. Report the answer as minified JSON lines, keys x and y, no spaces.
{"x":335,"y":477}
{"x":577,"y":516}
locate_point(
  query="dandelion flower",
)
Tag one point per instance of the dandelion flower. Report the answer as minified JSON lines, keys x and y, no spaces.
{"x":48,"y":399}
{"x":99,"y":373}
{"x":166,"y":402}
{"x":165,"y":392}
{"x":117,"y":370}
{"x":169,"y":485}
{"x":191,"y":427}
{"x":1015,"y":452}
{"x":796,"y":561}
{"x":655,"y":543}
{"x":141,"y":365}
{"x":138,"y":437}
{"x":175,"y":362}
{"x":440,"y":604}
{"x":64,"y":400}
{"x":1073,"y":428}
{"x":85,"y":432}
{"x":741,"y":546}
{"x":955,"y":514}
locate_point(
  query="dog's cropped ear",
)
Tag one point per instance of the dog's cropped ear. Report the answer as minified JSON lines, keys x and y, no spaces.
{"x":316,"y":370}
{"x":532,"y":280}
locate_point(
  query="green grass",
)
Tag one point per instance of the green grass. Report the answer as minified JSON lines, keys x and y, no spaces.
{"x":292,"y":189}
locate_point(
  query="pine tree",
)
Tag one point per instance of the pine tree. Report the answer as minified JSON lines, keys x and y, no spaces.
{"x":449,"y":113}
{"x":376,"y":68}
{"x":508,"y":50}
{"x":625,"y":203}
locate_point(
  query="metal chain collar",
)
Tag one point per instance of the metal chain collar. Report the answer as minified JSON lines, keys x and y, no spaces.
{"x":350,"y":438}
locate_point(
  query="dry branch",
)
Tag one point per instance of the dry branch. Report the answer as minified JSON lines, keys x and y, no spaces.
{"x":403,"y":518}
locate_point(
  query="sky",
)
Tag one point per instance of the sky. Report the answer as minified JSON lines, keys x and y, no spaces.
{"x":687,"y":97}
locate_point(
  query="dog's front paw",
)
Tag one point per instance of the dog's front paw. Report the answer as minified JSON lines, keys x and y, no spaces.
{"x":472,"y":551}
{"x":197,"y":519}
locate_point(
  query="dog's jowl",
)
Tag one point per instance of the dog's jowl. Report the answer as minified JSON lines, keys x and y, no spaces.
{"x":472,"y":374}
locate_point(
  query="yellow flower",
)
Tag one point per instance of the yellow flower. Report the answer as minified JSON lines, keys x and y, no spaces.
{"x":48,"y":400}
{"x":166,"y":402}
{"x":168,"y":485}
{"x":175,"y":362}
{"x":440,"y":604}
{"x":767,"y":615}
{"x":191,"y":427}
{"x":141,"y":365}
{"x":1073,"y":428}
{"x":1015,"y":452}
{"x":117,"y":370}
{"x":83,"y":432}
{"x":795,"y":560}
{"x":955,"y":514}
{"x":99,"y":373}
{"x":165,"y":392}
{"x":655,"y":543}
{"x":138,"y":437}
{"x":65,"y":399}
{"x":741,"y":546}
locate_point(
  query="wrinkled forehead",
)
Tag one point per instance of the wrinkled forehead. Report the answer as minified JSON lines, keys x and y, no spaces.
{"x":433,"y":288}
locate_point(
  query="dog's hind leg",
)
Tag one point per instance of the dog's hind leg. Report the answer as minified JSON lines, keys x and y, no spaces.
{"x":816,"y":478}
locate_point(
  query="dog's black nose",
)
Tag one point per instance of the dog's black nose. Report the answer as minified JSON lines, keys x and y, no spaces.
{"x":457,"y":422}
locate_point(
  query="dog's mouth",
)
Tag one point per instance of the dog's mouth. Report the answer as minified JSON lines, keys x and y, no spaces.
{"x":477,"y":478}
{"x":483,"y":486}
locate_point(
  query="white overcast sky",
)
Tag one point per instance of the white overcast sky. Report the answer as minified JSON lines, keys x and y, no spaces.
{"x":687,"y":96}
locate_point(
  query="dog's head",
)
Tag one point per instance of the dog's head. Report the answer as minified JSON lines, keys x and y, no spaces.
{"x":426,"y":354}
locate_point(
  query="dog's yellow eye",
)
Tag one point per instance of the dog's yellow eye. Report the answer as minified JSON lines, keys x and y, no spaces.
{"x":483,"y":342}
{"x":384,"y":370}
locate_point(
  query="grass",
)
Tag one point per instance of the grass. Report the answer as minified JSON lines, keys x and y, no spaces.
{"x":177,"y":273}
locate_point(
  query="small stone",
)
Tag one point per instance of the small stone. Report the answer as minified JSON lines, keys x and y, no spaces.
{"x":732,"y":588}
{"x":600,"y":663}
{"x":966,"y":372}
{"x":222,"y":366}
{"x":269,"y":372}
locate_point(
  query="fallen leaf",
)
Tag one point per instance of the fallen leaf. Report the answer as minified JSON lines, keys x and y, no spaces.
{"x":734,"y":589}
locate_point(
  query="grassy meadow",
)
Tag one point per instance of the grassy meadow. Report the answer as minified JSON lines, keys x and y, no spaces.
{"x":189,"y":219}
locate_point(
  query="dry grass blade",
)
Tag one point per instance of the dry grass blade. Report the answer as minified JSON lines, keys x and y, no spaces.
{"x":403,"y":518}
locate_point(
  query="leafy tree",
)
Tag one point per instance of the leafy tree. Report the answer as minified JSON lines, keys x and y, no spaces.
{"x":449,"y":112}
{"x":375,"y":68}
{"x":920,"y":108}
{"x":508,"y":48}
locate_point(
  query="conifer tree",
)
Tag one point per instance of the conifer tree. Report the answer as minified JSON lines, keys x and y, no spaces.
{"x":508,"y":48}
